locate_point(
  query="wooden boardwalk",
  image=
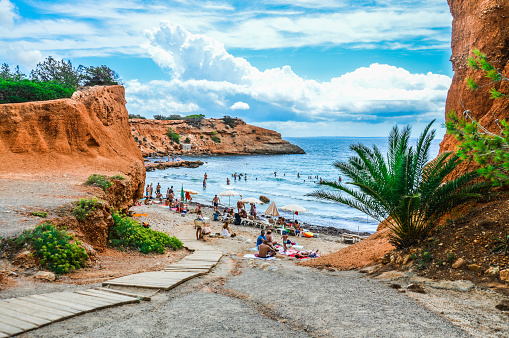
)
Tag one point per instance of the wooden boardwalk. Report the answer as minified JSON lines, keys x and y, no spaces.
{"x":18,"y":315}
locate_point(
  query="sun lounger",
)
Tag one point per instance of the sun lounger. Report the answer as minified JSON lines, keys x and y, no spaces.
{"x":348,"y":239}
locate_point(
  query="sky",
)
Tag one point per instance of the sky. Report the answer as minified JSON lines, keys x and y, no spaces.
{"x":301,"y":67}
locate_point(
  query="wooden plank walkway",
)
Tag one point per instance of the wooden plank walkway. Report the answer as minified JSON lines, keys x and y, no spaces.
{"x":18,"y":315}
{"x":198,"y":263}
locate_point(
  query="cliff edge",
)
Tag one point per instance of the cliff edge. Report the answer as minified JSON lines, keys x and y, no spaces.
{"x":208,"y":137}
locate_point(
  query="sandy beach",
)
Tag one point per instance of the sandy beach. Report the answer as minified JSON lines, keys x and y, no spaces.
{"x":255,"y":298}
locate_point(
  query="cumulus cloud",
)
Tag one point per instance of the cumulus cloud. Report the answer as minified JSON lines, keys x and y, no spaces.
{"x":208,"y":76}
{"x":239,"y":105}
{"x":7,"y":14}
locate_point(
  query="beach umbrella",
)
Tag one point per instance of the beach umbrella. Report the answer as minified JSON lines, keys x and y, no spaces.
{"x":182,"y":193}
{"x":192,"y":192}
{"x":294,"y":208}
{"x":251,"y":200}
{"x":229,"y":193}
{"x":272,"y":210}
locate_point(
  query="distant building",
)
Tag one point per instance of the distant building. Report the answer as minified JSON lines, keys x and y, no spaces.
{"x":186,"y":146}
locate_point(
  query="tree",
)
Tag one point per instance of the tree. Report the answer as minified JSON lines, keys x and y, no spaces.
{"x":403,"y":188}
{"x":490,"y":150}
{"x":6,"y":74}
{"x":57,"y":71}
{"x":103,"y":75}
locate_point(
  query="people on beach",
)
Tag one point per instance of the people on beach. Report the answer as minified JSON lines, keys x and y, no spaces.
{"x":285,"y":240}
{"x":215,"y":202}
{"x":275,"y":174}
{"x":298,"y":175}
{"x":205,"y":176}
{"x":151,"y":190}
{"x":260,"y":238}
{"x":158,"y":188}
{"x":205,"y":183}
{"x":147,"y":200}
{"x":147,"y":190}
{"x":198,"y":225}
{"x":252,"y":211}
{"x":265,"y":251}
{"x":298,"y":229}
{"x":240,"y":205}
{"x":159,"y":197}
{"x":188,"y":196}
{"x":171,"y":189}
{"x":225,"y":231}
{"x":268,"y":236}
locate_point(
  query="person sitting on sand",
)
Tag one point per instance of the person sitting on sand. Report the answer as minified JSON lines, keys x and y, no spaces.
{"x":198,"y":209}
{"x":265,"y":251}
{"x":147,"y":201}
{"x":268,"y":236}
{"x":159,"y":196}
{"x":261,"y":238}
{"x":206,"y":230}
{"x":226,"y":229}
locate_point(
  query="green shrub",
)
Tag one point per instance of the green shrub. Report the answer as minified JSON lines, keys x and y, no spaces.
{"x":40,"y":214}
{"x":254,"y":131}
{"x":55,"y":249}
{"x":84,"y":206}
{"x":128,"y":233}
{"x":173,"y":136}
{"x":136,"y":116}
{"x":187,"y":140}
{"x":32,"y":90}
{"x":117,"y":177}
{"x":214,"y":132}
{"x":229,"y":122}
{"x":215,"y":139}
{"x":99,"y":180}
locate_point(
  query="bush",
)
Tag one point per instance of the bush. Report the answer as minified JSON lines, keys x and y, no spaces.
{"x":136,"y":116}
{"x":173,"y":136}
{"x":230,"y":122}
{"x":32,"y":90}
{"x":171,"y":117}
{"x":117,"y":177}
{"x":215,"y":139}
{"x":187,"y":140}
{"x":128,"y":233}
{"x":100,"y":181}
{"x":40,"y":214}
{"x":54,"y":249}
{"x":84,"y":206}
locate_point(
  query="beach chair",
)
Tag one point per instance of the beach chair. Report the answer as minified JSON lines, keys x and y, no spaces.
{"x":271,"y":221}
{"x":347,"y":239}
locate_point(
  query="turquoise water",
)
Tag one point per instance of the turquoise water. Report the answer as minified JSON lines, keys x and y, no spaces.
{"x":286,"y":187}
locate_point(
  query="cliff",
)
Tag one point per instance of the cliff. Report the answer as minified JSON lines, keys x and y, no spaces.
{"x":481,"y":24}
{"x":86,"y":134}
{"x":210,"y":137}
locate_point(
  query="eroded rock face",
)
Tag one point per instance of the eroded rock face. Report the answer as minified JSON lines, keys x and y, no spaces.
{"x":481,"y":24}
{"x":150,"y":135}
{"x":86,"y":134}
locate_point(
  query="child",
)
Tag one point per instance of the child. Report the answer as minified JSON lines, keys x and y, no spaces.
{"x":285,"y":240}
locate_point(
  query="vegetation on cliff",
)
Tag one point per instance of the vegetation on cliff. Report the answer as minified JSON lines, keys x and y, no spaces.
{"x":404,"y":188}
{"x":51,"y":79}
{"x":490,"y":150}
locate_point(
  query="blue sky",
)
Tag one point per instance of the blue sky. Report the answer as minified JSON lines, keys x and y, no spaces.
{"x":301,"y":67}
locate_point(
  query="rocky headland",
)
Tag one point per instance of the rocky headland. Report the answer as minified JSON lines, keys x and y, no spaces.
{"x":208,"y":137}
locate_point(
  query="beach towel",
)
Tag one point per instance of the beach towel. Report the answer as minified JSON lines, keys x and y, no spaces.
{"x":253,"y":256}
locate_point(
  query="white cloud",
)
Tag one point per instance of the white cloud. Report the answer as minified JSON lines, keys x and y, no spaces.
{"x":239,"y":105}
{"x":7,"y":14}
{"x":208,"y":76}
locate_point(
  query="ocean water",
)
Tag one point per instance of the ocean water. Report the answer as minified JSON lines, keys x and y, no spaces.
{"x":284,"y":188}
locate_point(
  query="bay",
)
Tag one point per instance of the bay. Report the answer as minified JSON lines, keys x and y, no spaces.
{"x":285,"y":187}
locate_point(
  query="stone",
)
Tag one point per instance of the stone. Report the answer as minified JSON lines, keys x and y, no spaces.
{"x":395,"y":286}
{"x":504,"y":275}
{"x":415,"y":288}
{"x":407,"y":259}
{"x":492,"y":270}
{"x":503,"y":305}
{"x":386,"y":258}
{"x":46,"y":275}
{"x":264,"y":199}
{"x":457,"y":285}
{"x":458,"y":264}
{"x":264,"y":265}
{"x":391,"y":275}
{"x":473,"y":267}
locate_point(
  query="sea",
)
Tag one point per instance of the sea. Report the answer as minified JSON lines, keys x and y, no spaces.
{"x":294,"y":178}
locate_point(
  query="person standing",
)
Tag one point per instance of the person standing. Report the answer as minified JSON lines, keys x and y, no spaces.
{"x":215,"y":202}
{"x":151,"y":190}
{"x":147,"y":190}
{"x":158,"y":188}
{"x":205,"y":183}
{"x":227,"y":181}
{"x":205,"y":176}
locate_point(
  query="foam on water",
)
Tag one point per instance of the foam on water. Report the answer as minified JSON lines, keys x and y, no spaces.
{"x":286,"y":188}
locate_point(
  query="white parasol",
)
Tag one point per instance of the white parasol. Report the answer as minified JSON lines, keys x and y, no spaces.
{"x":229,"y":193}
{"x":272,"y":210}
{"x":251,"y":200}
{"x":294,"y":208}
{"x":192,"y":192}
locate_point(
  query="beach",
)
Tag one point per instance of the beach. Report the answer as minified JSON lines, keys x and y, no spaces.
{"x":249,"y":297}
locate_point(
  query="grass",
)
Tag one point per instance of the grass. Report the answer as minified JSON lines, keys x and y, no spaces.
{"x":40,"y":214}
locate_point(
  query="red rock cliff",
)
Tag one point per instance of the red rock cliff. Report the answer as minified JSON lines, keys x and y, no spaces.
{"x":481,"y":24}
{"x":86,"y":134}
{"x":239,"y":139}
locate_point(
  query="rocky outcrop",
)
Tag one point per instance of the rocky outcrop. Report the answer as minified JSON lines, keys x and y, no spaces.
{"x":176,"y":164}
{"x":86,"y":134}
{"x":481,"y":24}
{"x":210,"y":137}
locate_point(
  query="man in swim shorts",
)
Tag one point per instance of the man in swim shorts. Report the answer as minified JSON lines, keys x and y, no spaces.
{"x":215,"y":201}
{"x":265,"y":251}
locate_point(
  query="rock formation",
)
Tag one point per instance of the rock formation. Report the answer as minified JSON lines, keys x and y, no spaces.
{"x":86,"y":134}
{"x":211,"y":137}
{"x":481,"y":24}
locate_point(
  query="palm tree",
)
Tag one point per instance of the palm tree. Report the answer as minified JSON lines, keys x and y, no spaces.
{"x":404,"y":188}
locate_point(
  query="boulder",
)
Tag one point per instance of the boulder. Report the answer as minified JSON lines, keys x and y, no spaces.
{"x":264,"y":199}
{"x":416,"y":288}
{"x":457,"y":285}
{"x":504,"y":275}
{"x":473,"y":267}
{"x":492,"y":270}
{"x":503,"y":305}
{"x":46,"y":275}
{"x":458,"y":264}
